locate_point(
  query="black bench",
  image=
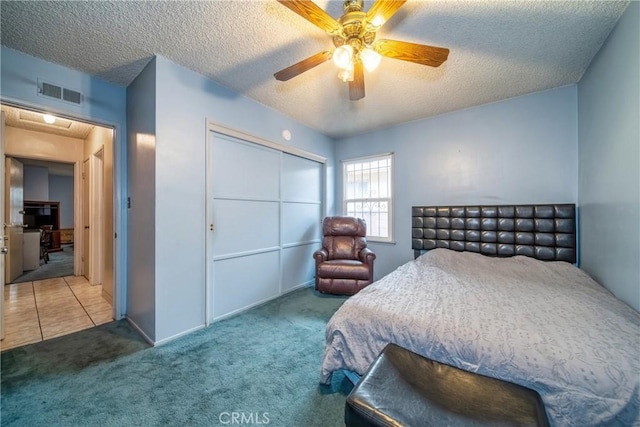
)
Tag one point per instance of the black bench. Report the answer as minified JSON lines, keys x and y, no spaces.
{"x":402,"y":388}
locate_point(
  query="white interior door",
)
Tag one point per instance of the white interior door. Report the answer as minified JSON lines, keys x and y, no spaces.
{"x":96,"y":217}
{"x":14,"y":208}
{"x":264,"y":211}
{"x":86,"y":260}
{"x":2,"y":235}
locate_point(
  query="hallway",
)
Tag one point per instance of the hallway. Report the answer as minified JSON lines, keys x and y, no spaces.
{"x":44,"y":309}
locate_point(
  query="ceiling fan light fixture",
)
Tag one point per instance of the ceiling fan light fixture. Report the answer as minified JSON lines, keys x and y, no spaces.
{"x":377,"y":22}
{"x":370,"y":58}
{"x":346,"y":74}
{"x":343,"y":57}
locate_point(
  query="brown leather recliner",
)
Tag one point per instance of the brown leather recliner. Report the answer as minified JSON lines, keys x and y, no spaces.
{"x":344,"y":265}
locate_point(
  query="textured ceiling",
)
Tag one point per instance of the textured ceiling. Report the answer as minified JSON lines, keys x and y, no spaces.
{"x":498,"y":50}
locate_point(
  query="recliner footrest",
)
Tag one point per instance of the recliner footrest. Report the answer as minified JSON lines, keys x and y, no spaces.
{"x":402,"y":388}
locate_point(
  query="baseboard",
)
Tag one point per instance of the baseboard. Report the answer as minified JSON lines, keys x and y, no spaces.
{"x":224,"y":316}
{"x":164,"y":340}
{"x":264,"y":301}
{"x":140,"y":331}
{"x":176,"y":336}
{"x":308,"y":284}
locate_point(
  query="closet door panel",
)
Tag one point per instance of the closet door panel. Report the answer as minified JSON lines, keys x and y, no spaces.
{"x":245,"y":281}
{"x":298,"y":266}
{"x":245,"y":226}
{"x":301,"y":222}
{"x":242,"y":170}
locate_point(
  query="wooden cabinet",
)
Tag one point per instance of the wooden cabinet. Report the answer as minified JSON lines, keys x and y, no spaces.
{"x":66,"y":236}
{"x":55,"y":241}
{"x":39,"y":213}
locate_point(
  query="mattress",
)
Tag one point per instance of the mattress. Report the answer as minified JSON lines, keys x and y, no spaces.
{"x":544,"y":325}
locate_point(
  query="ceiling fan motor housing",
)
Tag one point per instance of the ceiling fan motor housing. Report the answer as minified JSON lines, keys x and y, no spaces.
{"x":354,"y":27}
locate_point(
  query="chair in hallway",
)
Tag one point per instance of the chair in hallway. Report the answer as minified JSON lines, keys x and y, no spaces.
{"x":45,"y":242}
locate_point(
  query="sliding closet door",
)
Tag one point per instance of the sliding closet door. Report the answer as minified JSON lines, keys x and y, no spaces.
{"x":265,"y":211}
{"x":301,"y":217}
{"x":246,"y":224}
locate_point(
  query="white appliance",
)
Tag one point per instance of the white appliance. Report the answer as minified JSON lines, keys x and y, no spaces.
{"x":31,"y":250}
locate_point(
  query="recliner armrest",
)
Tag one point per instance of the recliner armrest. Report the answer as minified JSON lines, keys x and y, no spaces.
{"x":321,"y":255}
{"x":367,"y":256}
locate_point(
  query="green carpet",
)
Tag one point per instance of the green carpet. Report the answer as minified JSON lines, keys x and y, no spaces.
{"x":261,"y":367}
{"x":60,"y":264}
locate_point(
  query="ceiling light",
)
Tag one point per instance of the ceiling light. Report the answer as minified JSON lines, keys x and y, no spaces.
{"x":346,"y":75}
{"x":48,"y":118}
{"x":370,"y":58}
{"x":377,"y":22}
{"x":343,"y":57}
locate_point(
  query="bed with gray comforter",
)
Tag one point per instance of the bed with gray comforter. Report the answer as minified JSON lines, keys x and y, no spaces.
{"x":544,"y":325}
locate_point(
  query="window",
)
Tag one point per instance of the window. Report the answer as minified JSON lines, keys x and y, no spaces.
{"x":367,"y":194}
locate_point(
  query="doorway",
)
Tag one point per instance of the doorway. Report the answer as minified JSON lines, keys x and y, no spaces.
{"x":84,"y":301}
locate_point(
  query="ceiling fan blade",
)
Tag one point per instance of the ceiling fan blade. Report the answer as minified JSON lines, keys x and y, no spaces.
{"x":412,"y":52}
{"x":314,"y":14}
{"x":356,"y":87}
{"x":302,"y":66}
{"x":382,"y":10}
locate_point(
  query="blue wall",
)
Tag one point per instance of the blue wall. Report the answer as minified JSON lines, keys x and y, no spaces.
{"x":141,"y":188}
{"x":103,"y":103}
{"x":185,"y":101}
{"x":522,"y":150}
{"x":61,"y":190}
{"x":35,"y":184}
{"x":609,"y":157}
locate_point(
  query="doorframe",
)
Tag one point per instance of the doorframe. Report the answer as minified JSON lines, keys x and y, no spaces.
{"x":2,"y":242}
{"x":95,"y":203}
{"x":119,"y":148}
{"x":214,"y":127}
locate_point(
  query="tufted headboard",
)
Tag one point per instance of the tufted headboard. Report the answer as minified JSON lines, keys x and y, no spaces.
{"x":545,"y":232}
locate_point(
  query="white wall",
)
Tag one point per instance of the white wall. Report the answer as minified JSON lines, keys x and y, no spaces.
{"x":609,"y":159}
{"x":42,"y":146}
{"x":522,"y":150}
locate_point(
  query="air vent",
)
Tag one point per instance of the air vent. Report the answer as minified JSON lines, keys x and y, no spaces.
{"x":59,"y":92}
{"x":51,"y":90}
{"x":71,"y":96}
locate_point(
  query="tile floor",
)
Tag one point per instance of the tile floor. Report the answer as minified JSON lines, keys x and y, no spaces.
{"x":43,"y":309}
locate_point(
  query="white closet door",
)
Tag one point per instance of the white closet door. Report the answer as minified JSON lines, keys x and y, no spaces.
{"x":246,"y":218}
{"x":265,"y":210}
{"x":301,"y":216}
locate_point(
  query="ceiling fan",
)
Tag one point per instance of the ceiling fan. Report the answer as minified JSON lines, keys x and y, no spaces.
{"x":354,"y":36}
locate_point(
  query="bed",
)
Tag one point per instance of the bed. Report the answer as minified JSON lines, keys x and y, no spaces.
{"x":524,"y":314}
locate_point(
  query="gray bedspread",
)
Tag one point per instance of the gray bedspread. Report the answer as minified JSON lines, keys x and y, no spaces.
{"x":545,"y":325}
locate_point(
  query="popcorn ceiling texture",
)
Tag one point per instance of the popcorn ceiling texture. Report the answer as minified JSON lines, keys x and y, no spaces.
{"x":498,"y":50}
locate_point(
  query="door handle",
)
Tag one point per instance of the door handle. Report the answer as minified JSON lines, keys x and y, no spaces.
{"x":4,"y":250}
{"x":86,"y":227}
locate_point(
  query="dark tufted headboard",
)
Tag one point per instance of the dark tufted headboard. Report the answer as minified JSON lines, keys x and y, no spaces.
{"x":545,"y":232}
